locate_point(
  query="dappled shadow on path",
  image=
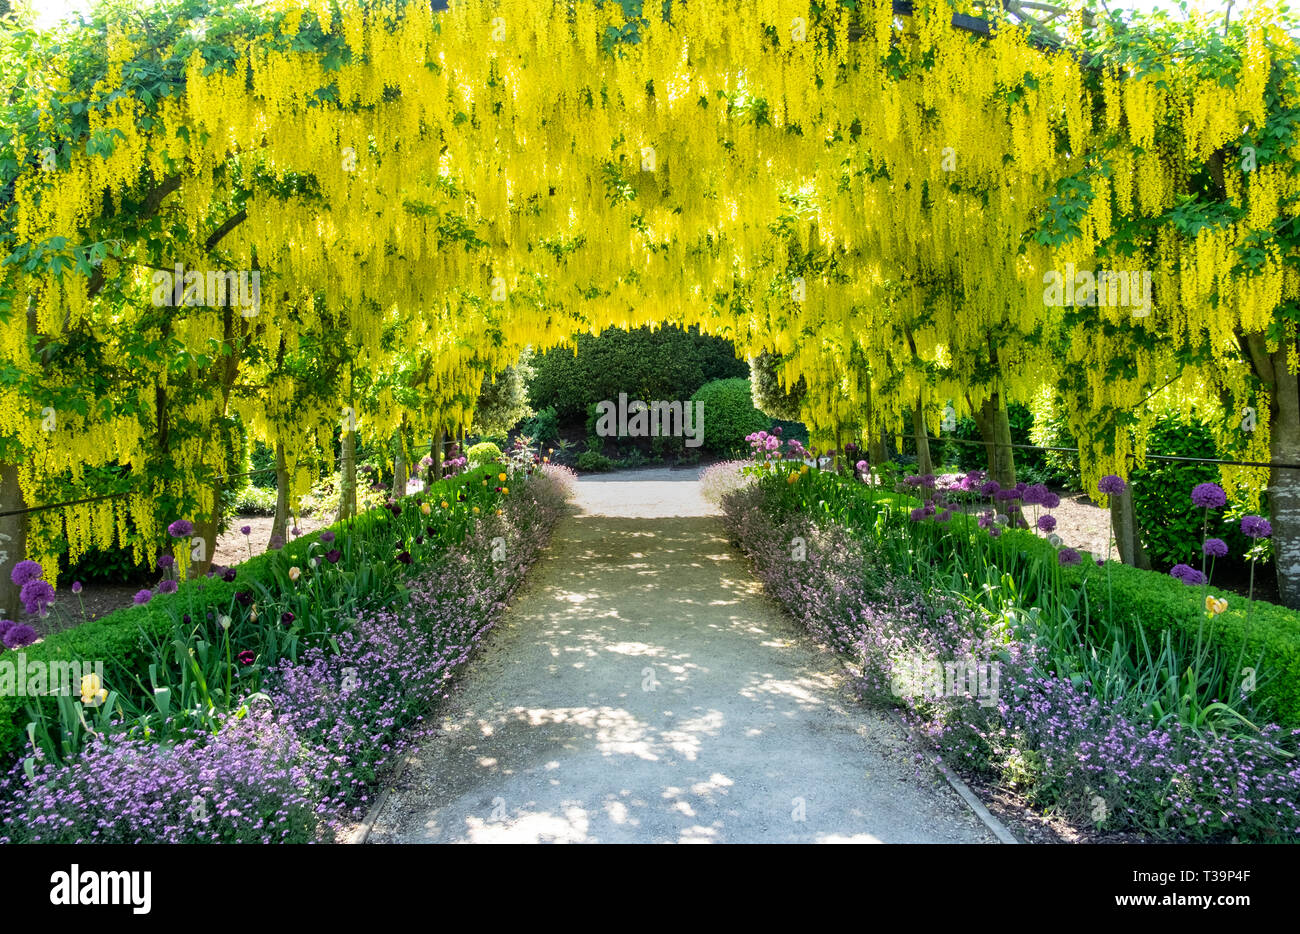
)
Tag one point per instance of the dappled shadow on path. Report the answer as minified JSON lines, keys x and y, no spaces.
{"x":642,"y":689}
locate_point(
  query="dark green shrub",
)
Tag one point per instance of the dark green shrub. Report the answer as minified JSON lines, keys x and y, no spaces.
{"x":594,"y":461}
{"x":729,"y":415}
{"x":662,"y":365}
{"x":543,"y":427}
{"x":262,"y":458}
{"x":1169,"y":526}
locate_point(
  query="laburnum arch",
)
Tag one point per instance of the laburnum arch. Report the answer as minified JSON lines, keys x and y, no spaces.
{"x":876,"y":200}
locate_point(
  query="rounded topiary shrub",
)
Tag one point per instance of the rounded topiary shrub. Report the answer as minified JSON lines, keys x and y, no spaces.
{"x":660,"y":364}
{"x":485,"y":452}
{"x":729,"y":415}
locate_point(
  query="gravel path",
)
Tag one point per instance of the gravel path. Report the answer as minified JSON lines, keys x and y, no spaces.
{"x":642,"y":689}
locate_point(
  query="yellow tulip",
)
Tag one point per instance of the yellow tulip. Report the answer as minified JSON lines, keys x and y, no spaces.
{"x":424,"y":508}
{"x":294,"y":573}
{"x":505,"y":489}
{"x":444,"y":504}
{"x":476,"y":510}
{"x":501,"y":477}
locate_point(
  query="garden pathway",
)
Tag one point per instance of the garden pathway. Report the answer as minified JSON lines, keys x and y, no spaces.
{"x":641,"y":688}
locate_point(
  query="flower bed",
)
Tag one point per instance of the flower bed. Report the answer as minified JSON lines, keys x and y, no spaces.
{"x":297,"y":740}
{"x":1061,"y":740}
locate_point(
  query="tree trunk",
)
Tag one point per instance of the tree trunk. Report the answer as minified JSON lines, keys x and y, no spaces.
{"x":923,"y":463}
{"x":348,"y":474}
{"x":13,"y":544}
{"x":1124,"y":524}
{"x":1284,"y":484}
{"x":399,"y":462}
{"x":280,"y":525}
{"x":876,"y":455}
{"x":438,"y":441}
{"x":995,"y":430}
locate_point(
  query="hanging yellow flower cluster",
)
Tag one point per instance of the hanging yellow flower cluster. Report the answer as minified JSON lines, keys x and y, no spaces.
{"x":446,"y":189}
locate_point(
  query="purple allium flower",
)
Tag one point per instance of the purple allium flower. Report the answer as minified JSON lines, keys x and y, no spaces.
{"x":985,"y":520}
{"x":246,"y":530}
{"x":19,"y":635}
{"x":1006,"y":496}
{"x":168,"y":586}
{"x":990,"y":488}
{"x":276,"y":543}
{"x":332,"y":556}
{"x":327,"y":537}
{"x":943,"y":515}
{"x":142,"y":597}
{"x":295,"y":530}
{"x":917,"y":514}
{"x":1209,"y":496}
{"x":1046,"y":523}
{"x":36,"y":595}
{"x":1068,"y":557}
{"x":5,"y":626}
{"x":246,"y":657}
{"x":181,"y":528}
{"x":76,"y":587}
{"x":1051,"y":500}
{"x":1111,"y":485}
{"x":25,"y":571}
{"x":1214,"y":548}
{"x":1256,"y":527}
{"x":861,"y":466}
{"x":165,"y":561}
{"x":1033,"y":495}
{"x":995,"y":532}
{"x":1187,"y":574}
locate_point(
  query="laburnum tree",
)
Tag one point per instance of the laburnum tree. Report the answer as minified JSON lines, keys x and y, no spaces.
{"x":881,"y":200}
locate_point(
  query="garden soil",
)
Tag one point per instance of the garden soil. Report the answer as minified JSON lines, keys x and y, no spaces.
{"x":641,"y":688}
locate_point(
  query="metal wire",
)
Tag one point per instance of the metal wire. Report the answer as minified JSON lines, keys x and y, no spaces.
{"x":1150,"y":457}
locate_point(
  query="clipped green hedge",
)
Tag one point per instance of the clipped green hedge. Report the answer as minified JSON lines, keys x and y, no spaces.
{"x":665,"y":364}
{"x":729,"y":414}
{"x":485,"y":452}
{"x":119,"y":638}
{"x":1157,"y":602}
